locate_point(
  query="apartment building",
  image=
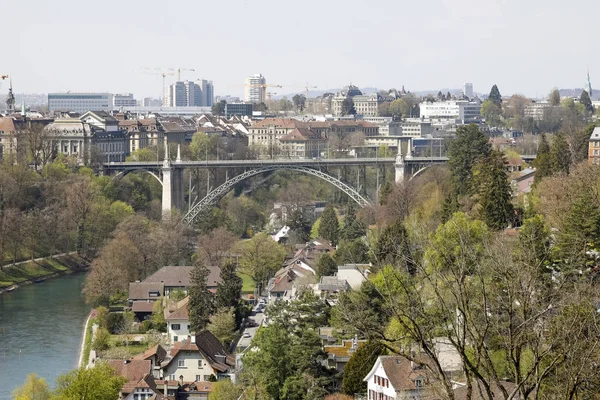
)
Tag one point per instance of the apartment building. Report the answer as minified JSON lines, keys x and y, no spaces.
{"x":459,"y":110}
{"x":80,"y":102}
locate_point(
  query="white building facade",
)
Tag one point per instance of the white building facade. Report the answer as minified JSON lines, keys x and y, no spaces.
{"x":459,"y":110}
{"x":80,"y":102}
{"x":124,"y":100}
{"x":255,"y":89}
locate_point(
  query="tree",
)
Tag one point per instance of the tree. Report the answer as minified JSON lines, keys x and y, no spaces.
{"x":352,"y":252}
{"x":399,"y":108}
{"x":225,"y":390}
{"x":203,"y":147}
{"x":215,"y":246}
{"x":543,"y":161}
{"x":39,"y":145}
{"x":299,"y":224}
{"x":495,"y":96}
{"x":222,"y":325}
{"x":359,"y":366}
{"x":554,"y":98}
{"x":384,"y":192}
{"x":219,"y":108}
{"x":491,"y":112}
{"x":299,"y":102}
{"x":260,"y":257}
{"x":34,"y":388}
{"x":229,"y":289}
{"x":560,"y":154}
{"x":494,"y":191}
{"x":201,"y":301}
{"x":98,"y":383}
{"x":353,"y":228}
{"x":326,"y":266}
{"x":158,"y":316}
{"x":393,"y":247}
{"x":465,"y":151}
{"x":329,"y":227}
{"x":586,"y":101}
{"x":260,"y":107}
{"x":348,"y":107}
{"x":383,"y":109}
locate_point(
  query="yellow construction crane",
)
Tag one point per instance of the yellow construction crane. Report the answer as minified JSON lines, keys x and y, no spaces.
{"x":270,"y":95}
{"x":183,"y":69}
{"x":263,"y":87}
{"x":162,"y":72}
{"x":307,"y":87}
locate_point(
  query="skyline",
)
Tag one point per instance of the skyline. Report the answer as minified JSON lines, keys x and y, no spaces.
{"x":523,"y":48}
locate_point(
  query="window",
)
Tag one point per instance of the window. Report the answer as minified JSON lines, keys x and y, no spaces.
{"x":175,"y":327}
{"x":181,"y":363}
{"x":419,"y":383}
{"x":199,"y":363}
{"x":175,"y":338}
{"x":596,"y":152}
{"x":198,"y":378}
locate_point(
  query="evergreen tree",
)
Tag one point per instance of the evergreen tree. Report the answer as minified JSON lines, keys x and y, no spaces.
{"x":202,"y":303}
{"x":449,"y":207}
{"x":326,"y":266}
{"x":469,"y":146}
{"x":359,"y":366}
{"x":229,"y":290}
{"x":329,"y":227}
{"x":560,"y":154}
{"x":392,"y":247}
{"x":352,"y":252}
{"x":554,"y":98}
{"x":543,"y":160}
{"x":495,"y":96}
{"x":353,"y":228}
{"x":299,"y":224}
{"x":586,"y":101}
{"x":494,"y":191}
{"x":384,"y":192}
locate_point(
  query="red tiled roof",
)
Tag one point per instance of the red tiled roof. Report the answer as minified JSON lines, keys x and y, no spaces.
{"x":181,"y":312}
{"x":132,"y":370}
{"x":7,"y":124}
{"x":401,"y":373}
{"x":156,"y":350}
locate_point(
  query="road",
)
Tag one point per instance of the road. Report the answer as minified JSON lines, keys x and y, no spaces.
{"x":258,"y":317}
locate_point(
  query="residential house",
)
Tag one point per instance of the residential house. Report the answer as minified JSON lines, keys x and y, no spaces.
{"x":354,"y":274}
{"x":523,"y":181}
{"x":331,"y":285}
{"x":338,"y":355}
{"x":198,"y":358}
{"x":397,"y":377}
{"x":295,"y":272}
{"x":178,"y":278}
{"x":594,"y":147}
{"x":107,"y":137}
{"x":139,"y":378}
{"x":143,"y":132}
{"x":156,"y":355}
{"x":178,"y":321}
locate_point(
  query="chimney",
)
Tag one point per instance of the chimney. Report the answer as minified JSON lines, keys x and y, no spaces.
{"x":165,"y":388}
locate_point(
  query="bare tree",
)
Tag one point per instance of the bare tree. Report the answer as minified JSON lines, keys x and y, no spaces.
{"x":215,"y":246}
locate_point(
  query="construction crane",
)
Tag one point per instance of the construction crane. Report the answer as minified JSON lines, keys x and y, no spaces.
{"x":307,"y":86}
{"x":269,"y":95}
{"x":162,"y":72}
{"x":263,"y":87}
{"x":183,"y":69}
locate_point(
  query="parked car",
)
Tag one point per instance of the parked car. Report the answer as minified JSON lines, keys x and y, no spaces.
{"x":246,"y":335}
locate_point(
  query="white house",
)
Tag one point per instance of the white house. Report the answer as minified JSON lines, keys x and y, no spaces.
{"x":196,"y":359}
{"x":352,"y":274}
{"x":396,"y":377}
{"x":178,"y":321}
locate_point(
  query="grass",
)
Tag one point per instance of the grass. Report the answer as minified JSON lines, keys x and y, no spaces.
{"x":14,"y":274}
{"x":248,"y":285}
{"x":133,"y":348}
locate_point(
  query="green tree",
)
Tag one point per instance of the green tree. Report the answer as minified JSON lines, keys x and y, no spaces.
{"x":203,"y":147}
{"x":554,"y":98}
{"x":326,"y":266}
{"x":469,"y":146}
{"x":491,"y":112}
{"x":158,"y":316}
{"x":225,"y":390}
{"x":98,"y":383}
{"x":393,"y":247}
{"x":299,"y":224}
{"x":201,"y":304}
{"x":352,"y":252}
{"x":101,"y":341}
{"x":348,"y":107}
{"x":219,"y":108}
{"x":261,"y":257}
{"x":399,"y":108}
{"x":560,"y":154}
{"x":34,"y":388}
{"x":353,"y":228}
{"x":543,"y":161}
{"x":494,"y":191}
{"x":299,"y":101}
{"x":222,"y":325}
{"x":229,"y":289}
{"x":260,"y":107}
{"x":534,"y":243}
{"x":329,"y":227}
{"x":359,"y":366}
{"x":495,"y":96}
{"x":586,"y":101}
{"x":384,"y":192}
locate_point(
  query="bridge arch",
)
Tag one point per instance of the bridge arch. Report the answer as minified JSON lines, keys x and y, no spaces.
{"x":223,"y":189}
{"x":121,"y":174}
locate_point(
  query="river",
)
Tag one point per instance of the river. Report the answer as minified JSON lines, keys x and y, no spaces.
{"x":41,"y":327}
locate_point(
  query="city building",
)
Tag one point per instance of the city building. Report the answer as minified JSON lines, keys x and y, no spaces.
{"x":302,"y":143}
{"x":594,"y":147}
{"x":189,"y":94}
{"x":142,"y":132}
{"x":536,"y":110}
{"x":366,"y":105}
{"x":238,"y":109}
{"x":151,"y":102}
{"x":458,"y":110}
{"x":468,"y":90}
{"x":80,"y":102}
{"x":228,"y":99}
{"x":123,"y":100}
{"x":255,"y":89}
{"x":416,"y":127}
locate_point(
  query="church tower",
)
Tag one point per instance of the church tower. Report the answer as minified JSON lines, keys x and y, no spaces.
{"x":10,"y":100}
{"x":588,"y":84}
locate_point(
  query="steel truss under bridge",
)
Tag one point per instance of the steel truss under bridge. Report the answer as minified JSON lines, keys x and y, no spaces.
{"x":223,"y":189}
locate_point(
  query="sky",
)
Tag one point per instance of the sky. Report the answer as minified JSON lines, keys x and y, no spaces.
{"x":523,"y":46}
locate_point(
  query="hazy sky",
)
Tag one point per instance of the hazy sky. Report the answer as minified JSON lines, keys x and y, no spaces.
{"x":524,"y":46}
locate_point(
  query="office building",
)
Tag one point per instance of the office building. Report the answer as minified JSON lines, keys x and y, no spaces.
{"x":80,"y":102}
{"x":238,"y":109}
{"x":123,"y":100}
{"x":189,"y":94}
{"x":460,"y":111}
{"x":255,"y":89}
{"x":468,"y":90}
{"x":151,"y":102}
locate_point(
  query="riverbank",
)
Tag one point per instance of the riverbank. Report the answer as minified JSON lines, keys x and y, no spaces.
{"x":40,"y":269}
{"x":86,"y":341}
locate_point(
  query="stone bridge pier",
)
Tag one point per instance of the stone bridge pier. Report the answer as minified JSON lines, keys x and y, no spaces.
{"x":173,"y":195}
